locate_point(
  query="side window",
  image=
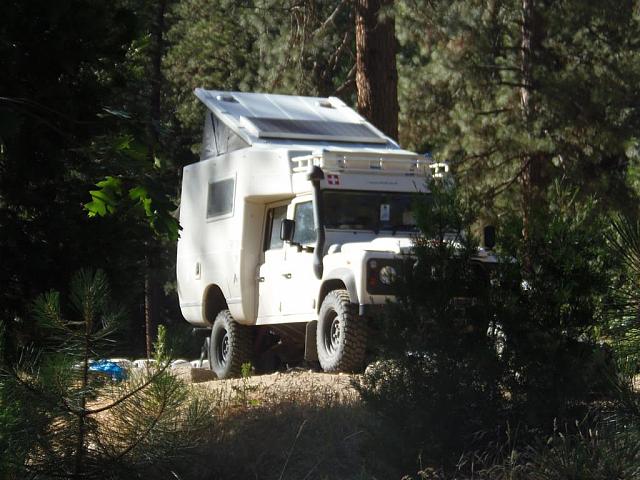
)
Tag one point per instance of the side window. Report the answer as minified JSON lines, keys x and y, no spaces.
{"x":305,"y":232}
{"x":272,"y":232}
{"x":220,"y":198}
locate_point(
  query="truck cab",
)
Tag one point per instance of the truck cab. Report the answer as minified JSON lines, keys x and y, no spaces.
{"x":296,"y":219}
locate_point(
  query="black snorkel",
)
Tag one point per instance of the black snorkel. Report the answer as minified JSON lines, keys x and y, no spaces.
{"x":315,"y":175}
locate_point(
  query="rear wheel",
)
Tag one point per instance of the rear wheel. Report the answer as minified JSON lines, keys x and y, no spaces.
{"x":341,"y":335}
{"x":230,"y":346}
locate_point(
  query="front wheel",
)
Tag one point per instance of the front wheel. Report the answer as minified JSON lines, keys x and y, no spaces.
{"x":229,"y":347}
{"x":341,"y":336}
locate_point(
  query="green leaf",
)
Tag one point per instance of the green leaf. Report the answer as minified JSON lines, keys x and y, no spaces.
{"x":105,"y":200}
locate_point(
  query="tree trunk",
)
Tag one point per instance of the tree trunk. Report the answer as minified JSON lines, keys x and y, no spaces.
{"x":531,"y":162}
{"x":157,"y":30}
{"x":376,"y":73}
{"x":149,"y":309}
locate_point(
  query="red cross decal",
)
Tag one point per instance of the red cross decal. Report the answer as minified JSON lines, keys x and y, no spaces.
{"x":333,"y":179}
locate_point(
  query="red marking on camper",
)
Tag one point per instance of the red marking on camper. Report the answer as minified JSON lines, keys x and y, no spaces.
{"x":333,"y":179}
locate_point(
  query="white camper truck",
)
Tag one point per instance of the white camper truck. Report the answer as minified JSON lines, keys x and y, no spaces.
{"x":294,"y":220}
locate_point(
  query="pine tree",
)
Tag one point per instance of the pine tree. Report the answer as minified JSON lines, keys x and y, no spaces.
{"x":79,"y":425}
{"x":516,"y":93}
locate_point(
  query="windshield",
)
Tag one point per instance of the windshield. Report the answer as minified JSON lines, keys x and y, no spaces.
{"x":369,"y":210}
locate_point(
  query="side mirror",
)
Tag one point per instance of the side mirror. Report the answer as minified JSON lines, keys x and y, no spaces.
{"x":287,"y":229}
{"x":489,"y":234}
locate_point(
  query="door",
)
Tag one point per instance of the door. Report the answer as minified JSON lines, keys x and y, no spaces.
{"x":270,"y":277}
{"x":299,"y":284}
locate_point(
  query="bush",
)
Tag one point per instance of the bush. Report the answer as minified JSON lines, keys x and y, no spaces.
{"x":440,"y":383}
{"x":597,"y":448}
{"x":470,"y":348}
{"x":550,"y":297}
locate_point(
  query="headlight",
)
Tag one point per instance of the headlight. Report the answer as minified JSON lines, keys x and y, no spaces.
{"x":387,"y":275}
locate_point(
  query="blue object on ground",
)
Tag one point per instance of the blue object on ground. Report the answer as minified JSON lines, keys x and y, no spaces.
{"x":115,"y":371}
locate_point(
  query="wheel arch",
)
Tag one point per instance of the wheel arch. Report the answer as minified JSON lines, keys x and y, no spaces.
{"x":213,"y":302}
{"x":339,"y":279}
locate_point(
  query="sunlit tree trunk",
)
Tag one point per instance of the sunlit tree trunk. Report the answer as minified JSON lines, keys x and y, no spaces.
{"x":376,"y":73}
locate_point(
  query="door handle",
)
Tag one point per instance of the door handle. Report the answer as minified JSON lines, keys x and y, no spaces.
{"x":286,"y":275}
{"x":260,"y":279}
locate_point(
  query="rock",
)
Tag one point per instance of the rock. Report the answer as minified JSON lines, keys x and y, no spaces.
{"x":194,"y":375}
{"x":144,"y":362}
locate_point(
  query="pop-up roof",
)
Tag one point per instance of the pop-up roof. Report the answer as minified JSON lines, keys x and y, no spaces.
{"x":269,"y":118}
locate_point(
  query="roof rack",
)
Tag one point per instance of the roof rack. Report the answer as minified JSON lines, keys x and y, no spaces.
{"x":399,"y":162}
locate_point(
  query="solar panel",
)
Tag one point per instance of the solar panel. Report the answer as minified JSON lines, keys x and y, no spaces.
{"x":315,"y":130}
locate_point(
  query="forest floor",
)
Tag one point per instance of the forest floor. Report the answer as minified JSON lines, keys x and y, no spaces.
{"x":284,"y":383}
{"x":284,"y":425}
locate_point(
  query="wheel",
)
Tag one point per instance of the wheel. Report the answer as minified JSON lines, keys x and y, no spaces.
{"x":230,"y":346}
{"x":341,"y":336}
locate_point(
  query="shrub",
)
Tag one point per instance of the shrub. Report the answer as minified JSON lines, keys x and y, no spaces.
{"x":469,"y":347}
{"x":440,"y":383}
{"x":597,"y":448}
{"x":550,"y":294}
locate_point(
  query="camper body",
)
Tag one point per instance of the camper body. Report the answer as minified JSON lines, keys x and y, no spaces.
{"x":297,"y":219}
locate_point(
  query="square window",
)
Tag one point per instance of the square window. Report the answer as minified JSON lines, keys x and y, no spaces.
{"x":220,"y":198}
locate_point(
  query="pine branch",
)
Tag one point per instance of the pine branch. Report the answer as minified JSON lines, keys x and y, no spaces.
{"x":330,"y":19}
{"x":144,"y":434}
{"x":61,"y":402}
{"x":348,"y":83}
{"x":493,"y":112}
{"x":506,"y":185}
{"x":127,"y":396}
{"x":333,"y":59}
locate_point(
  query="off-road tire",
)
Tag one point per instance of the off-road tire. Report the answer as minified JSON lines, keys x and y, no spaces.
{"x":341,"y":337}
{"x":230,"y":346}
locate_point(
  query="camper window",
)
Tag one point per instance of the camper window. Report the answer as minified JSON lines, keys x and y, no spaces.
{"x":220,"y":198}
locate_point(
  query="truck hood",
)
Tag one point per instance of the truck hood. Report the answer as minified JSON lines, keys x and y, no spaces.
{"x":396,"y":245}
{"x":404,"y":246}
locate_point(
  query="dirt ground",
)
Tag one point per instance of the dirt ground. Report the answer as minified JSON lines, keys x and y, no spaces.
{"x":278,"y":384}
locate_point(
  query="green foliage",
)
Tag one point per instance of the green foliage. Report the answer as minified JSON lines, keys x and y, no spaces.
{"x":242,"y":392}
{"x":266,"y":45}
{"x":551,"y":293}
{"x":156,"y":430}
{"x":75,"y":113}
{"x":137,"y":188}
{"x":65,"y":421}
{"x":461,"y":75}
{"x":53,"y":88}
{"x":471,"y":346}
{"x":161,"y":349}
{"x":624,"y":243}
{"x":597,"y":448}
{"x":13,"y":438}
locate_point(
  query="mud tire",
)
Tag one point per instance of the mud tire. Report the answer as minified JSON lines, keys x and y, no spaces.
{"x":341,"y":336}
{"x":230,"y":346}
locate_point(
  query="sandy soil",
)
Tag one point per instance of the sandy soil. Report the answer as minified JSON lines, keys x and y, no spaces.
{"x":295,"y":383}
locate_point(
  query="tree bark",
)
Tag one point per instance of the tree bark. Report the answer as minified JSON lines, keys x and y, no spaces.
{"x":376,"y":72}
{"x":157,"y":29}
{"x":531,"y":162}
